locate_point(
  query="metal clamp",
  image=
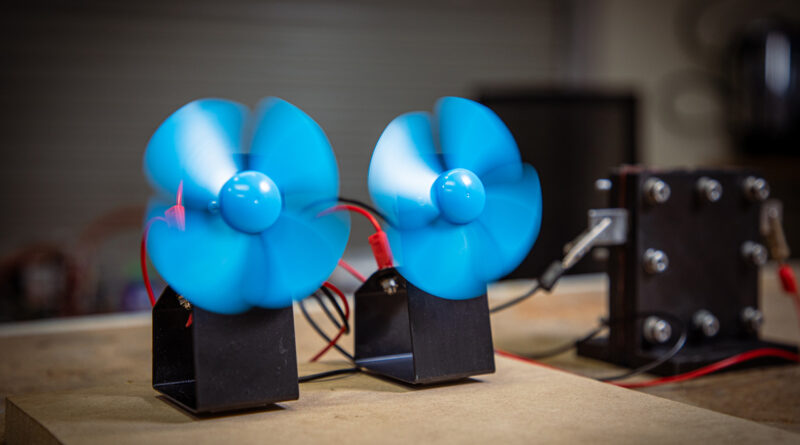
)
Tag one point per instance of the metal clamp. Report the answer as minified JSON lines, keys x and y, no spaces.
{"x":772,"y":229}
{"x":607,"y":227}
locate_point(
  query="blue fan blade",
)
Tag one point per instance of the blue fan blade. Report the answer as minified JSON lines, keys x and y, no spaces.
{"x":511,"y":220}
{"x":196,"y":146}
{"x":294,"y":256}
{"x":403,"y":169}
{"x":204,"y":263}
{"x":157,"y":206}
{"x":473,"y":137}
{"x":442,"y":259}
{"x":290,"y":148}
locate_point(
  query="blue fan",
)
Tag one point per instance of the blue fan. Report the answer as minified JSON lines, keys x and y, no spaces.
{"x":252,"y":234}
{"x":464,"y":208}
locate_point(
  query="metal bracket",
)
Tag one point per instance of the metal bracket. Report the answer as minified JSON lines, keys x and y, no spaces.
{"x":607,"y":227}
{"x":617,"y":232}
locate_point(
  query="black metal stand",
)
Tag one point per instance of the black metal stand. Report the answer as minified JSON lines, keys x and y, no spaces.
{"x":409,"y":335}
{"x":223,"y":362}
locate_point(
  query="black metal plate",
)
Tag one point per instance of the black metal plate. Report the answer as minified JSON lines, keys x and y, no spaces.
{"x":418,"y":338}
{"x":223,"y":362}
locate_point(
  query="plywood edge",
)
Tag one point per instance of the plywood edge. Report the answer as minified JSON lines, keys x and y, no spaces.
{"x":24,"y":429}
{"x":520,"y":403}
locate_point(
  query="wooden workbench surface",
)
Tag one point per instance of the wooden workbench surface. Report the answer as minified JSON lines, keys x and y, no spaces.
{"x":71,"y":373}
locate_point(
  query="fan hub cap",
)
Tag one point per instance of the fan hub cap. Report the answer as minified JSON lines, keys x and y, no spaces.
{"x":250,"y":202}
{"x":459,"y":195}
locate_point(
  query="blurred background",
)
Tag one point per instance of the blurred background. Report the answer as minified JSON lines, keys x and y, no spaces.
{"x":584,"y":85}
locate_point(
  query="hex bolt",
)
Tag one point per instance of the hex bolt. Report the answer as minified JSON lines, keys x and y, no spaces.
{"x":709,"y":189}
{"x":389,"y":285}
{"x":656,"y":191}
{"x":655,"y":261}
{"x":756,"y":189}
{"x":755,"y":253}
{"x":706,"y":322}
{"x":656,"y":330}
{"x":752,"y":318}
{"x":602,"y":185}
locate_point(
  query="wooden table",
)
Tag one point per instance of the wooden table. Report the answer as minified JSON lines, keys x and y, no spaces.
{"x":767,"y":395}
{"x":74,"y":364}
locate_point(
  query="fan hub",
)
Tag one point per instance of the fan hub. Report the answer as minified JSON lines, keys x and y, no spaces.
{"x":459,"y":195}
{"x":250,"y":202}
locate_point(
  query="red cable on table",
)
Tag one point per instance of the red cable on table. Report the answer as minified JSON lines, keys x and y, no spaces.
{"x":705,"y":370}
{"x":714,"y":367}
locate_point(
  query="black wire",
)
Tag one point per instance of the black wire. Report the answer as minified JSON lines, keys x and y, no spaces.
{"x":568,"y":346}
{"x":327,"y":311}
{"x":322,"y":375}
{"x":338,"y":308}
{"x":672,"y":352}
{"x":366,"y":206}
{"x":516,"y":300}
{"x":321,"y":332}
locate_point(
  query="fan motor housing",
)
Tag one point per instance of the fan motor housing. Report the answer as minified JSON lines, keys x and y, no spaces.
{"x":223,"y":362}
{"x":407,"y":334}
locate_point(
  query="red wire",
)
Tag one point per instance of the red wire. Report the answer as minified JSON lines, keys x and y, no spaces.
{"x":714,"y":367}
{"x":527,"y":360}
{"x":378,"y":241}
{"x":143,"y":259}
{"x":341,"y":331}
{"x":352,"y":271}
{"x":143,"y":248}
{"x":789,"y":283}
{"x":356,"y":209}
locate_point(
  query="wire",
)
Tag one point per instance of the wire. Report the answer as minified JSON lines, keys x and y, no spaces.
{"x":339,"y":309}
{"x":322,"y":375}
{"x":327,"y":311}
{"x":345,"y":322}
{"x":672,"y":352}
{"x":356,"y":209}
{"x":338,"y":335}
{"x":516,"y":300}
{"x":378,"y":241}
{"x":714,"y":367}
{"x":143,"y":259}
{"x":789,"y":283}
{"x":577,"y":250}
{"x":346,"y":266}
{"x":321,"y":333}
{"x":568,"y":346}
{"x":365,"y":206}
{"x":705,"y":370}
{"x":511,"y":355}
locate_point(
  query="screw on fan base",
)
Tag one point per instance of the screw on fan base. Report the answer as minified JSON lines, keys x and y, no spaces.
{"x":250,"y":202}
{"x":459,"y":195}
